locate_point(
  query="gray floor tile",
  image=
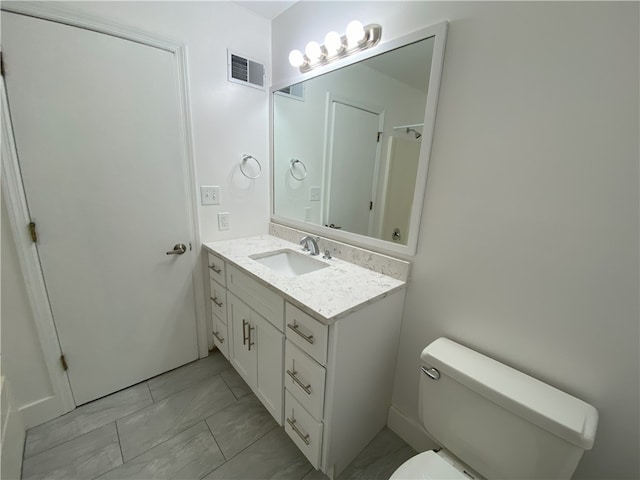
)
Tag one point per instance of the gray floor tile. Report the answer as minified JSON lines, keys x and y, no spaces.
{"x":235,"y":382}
{"x":86,"y":456}
{"x":315,"y":475}
{"x":380,"y":458}
{"x":86,"y":418}
{"x":156,"y":423}
{"x":240,"y":424}
{"x":189,"y":455}
{"x":273,"y":456}
{"x":188,"y":375}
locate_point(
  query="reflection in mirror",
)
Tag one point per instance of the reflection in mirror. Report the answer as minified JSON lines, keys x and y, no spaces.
{"x":347,"y":146}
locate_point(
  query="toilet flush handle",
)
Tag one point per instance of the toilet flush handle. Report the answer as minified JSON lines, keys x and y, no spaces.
{"x":432,"y":373}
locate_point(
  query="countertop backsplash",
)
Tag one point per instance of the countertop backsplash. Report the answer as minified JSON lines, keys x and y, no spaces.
{"x":393,"y":267}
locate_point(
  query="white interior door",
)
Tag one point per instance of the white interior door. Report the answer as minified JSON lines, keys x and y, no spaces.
{"x":353,"y":158}
{"x":98,"y":134}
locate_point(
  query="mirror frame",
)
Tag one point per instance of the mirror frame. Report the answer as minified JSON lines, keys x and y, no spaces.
{"x":439,"y":31}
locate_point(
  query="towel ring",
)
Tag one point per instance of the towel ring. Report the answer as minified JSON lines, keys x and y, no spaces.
{"x":245,"y":158}
{"x":291,"y":165}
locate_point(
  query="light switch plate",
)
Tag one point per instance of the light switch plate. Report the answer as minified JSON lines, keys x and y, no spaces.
{"x":223,"y":221}
{"x":210,"y":195}
{"x":314,"y":194}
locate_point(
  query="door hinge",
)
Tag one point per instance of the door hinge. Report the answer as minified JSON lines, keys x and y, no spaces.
{"x":63,"y":361}
{"x":379,"y":135}
{"x":370,"y":205}
{"x":32,"y":232}
{"x":1,"y":64}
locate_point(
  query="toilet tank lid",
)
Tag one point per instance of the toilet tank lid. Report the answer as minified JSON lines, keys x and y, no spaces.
{"x":558,"y":412}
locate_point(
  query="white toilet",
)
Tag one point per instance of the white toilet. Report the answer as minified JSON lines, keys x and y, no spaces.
{"x":495,"y":422}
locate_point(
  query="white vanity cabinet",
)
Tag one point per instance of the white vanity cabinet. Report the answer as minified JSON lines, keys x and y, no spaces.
{"x":257,"y":351}
{"x":340,"y":396}
{"x":253,"y":345}
{"x":218,"y":301}
{"x":328,"y":382}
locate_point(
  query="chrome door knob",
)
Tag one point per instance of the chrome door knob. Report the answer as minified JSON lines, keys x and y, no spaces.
{"x":178,"y":249}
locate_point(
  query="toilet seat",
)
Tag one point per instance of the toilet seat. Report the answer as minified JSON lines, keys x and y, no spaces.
{"x":427,"y":466}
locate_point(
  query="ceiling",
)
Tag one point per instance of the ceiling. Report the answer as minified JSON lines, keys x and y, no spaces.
{"x":268,"y":10}
{"x":410,"y":64}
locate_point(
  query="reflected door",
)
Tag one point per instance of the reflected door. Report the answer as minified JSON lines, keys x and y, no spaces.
{"x":353,"y":168}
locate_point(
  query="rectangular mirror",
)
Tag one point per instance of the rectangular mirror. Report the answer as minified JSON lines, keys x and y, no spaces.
{"x":350,"y":145}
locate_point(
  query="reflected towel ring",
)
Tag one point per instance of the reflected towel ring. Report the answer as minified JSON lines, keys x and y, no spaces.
{"x":291,"y":165}
{"x":245,"y":158}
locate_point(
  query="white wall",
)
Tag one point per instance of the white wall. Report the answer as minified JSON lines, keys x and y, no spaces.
{"x":528,"y":247}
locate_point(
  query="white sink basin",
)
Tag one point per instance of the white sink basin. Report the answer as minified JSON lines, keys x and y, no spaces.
{"x":289,"y":263}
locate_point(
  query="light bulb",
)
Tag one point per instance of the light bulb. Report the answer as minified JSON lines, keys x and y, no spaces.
{"x":313,"y":51}
{"x":296,"y":58}
{"x":355,"y":33}
{"x":333,"y":43}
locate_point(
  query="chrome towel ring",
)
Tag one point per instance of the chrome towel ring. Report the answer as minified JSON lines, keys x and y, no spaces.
{"x":292,"y":169}
{"x":245,"y":158}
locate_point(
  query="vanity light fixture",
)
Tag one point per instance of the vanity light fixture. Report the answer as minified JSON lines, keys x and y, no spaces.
{"x":356,"y":38}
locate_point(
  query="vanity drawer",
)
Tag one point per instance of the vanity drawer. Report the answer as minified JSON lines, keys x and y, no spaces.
{"x":220,"y":336}
{"x":217,"y":269}
{"x":263,"y":300}
{"x":304,"y":378}
{"x":305,"y":432}
{"x":218,"y":298}
{"x":307,"y":333}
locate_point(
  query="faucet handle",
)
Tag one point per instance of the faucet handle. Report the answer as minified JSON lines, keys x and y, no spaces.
{"x":305,"y":245}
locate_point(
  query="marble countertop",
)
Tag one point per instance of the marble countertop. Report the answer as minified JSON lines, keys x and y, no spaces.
{"x":327,"y":294}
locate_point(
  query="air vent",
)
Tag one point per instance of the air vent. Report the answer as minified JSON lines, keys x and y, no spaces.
{"x":295,"y":91}
{"x":245,"y":71}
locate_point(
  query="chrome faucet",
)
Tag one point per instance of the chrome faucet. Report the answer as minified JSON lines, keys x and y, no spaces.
{"x":310,"y":244}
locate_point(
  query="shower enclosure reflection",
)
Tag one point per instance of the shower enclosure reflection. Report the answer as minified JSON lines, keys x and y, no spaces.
{"x":346,"y":144}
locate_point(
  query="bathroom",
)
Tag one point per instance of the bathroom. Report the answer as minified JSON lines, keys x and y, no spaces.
{"x":528,"y":242}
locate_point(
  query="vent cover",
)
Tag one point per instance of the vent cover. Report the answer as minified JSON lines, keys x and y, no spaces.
{"x":295,"y":91}
{"x":245,"y":71}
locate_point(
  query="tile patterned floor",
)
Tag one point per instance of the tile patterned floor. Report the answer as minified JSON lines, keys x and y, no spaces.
{"x":197,"y":421}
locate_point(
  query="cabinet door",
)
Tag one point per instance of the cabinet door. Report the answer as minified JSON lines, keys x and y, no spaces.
{"x":243,"y":353}
{"x":270,"y":385}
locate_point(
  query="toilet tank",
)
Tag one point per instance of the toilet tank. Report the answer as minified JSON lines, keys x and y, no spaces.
{"x":501,"y":422}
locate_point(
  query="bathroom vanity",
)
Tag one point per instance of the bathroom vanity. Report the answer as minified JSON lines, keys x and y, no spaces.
{"x":315,"y":339}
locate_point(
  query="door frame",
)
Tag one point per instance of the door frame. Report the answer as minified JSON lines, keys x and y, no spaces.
{"x":18,"y":211}
{"x":328,"y":154}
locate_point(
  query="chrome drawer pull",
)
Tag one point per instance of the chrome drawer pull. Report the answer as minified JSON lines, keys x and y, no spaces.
{"x":295,"y":328}
{"x":217,"y":335}
{"x":215,"y":269}
{"x":305,"y":438}
{"x":215,"y":300}
{"x":249,"y":336}
{"x":306,"y":388}
{"x":244,"y":332}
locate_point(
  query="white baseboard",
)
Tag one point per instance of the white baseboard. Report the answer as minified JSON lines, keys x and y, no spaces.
{"x":409,"y":430}
{"x":12,"y":438}
{"x":41,"y":411}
